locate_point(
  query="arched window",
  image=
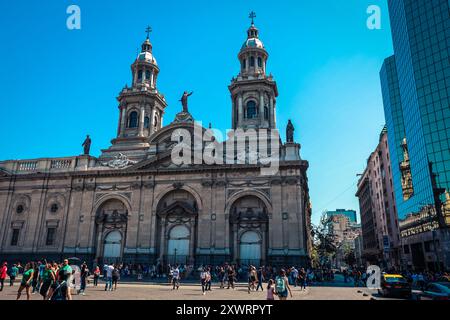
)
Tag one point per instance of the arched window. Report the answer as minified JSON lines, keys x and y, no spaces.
{"x":244,"y":64}
{"x":155,"y":121}
{"x":147,"y":75}
{"x":266,"y":113}
{"x":252,"y":61}
{"x":251,"y":110}
{"x":133,"y":120}
{"x":146,"y":122}
{"x":259,"y":62}
{"x":140,"y":75}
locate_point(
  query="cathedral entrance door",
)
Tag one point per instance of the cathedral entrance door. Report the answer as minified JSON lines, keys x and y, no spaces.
{"x":112,"y":248}
{"x":250,"y":248}
{"x":178,"y":245}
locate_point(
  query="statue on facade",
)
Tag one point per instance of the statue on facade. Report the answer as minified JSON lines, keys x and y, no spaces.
{"x":86,"y":145}
{"x":290,"y":132}
{"x":184,"y":100}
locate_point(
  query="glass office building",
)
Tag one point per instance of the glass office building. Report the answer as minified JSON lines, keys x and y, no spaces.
{"x":416,"y":94}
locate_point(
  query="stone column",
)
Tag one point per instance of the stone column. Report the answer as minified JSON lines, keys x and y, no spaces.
{"x":152,"y":120}
{"x":233,"y":113}
{"x":123,"y":120}
{"x":241,"y":109}
{"x":261,"y":107}
{"x":273,"y":113}
{"x":162,"y":242}
{"x":152,"y":79}
{"x":119,"y":126}
{"x":141,"y":121}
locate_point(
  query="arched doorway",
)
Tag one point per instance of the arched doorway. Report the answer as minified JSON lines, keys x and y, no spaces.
{"x":110,"y":229}
{"x":248,"y":230}
{"x":112,"y":249}
{"x":250,"y":248}
{"x":177,"y":214}
{"x":178,"y":244}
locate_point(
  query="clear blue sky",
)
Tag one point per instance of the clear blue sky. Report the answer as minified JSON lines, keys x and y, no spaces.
{"x":57,"y":85}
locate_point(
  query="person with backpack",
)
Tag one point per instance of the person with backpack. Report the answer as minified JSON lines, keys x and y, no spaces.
{"x":115,"y":276}
{"x":282,"y":285}
{"x":13,"y":274}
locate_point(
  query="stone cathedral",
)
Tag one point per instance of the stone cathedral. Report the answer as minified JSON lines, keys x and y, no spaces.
{"x":134,"y":204}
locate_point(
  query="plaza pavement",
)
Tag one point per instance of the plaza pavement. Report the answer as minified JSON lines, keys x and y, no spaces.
{"x":190,"y":291}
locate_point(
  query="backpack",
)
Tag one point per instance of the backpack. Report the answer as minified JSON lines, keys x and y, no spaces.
{"x":280,"y":285}
{"x":58,"y":294}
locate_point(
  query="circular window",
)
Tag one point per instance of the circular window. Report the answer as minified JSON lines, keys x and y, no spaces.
{"x":20,"y":208}
{"x":54,"y":208}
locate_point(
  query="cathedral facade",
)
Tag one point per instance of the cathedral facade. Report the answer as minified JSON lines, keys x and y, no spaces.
{"x":134,"y":204}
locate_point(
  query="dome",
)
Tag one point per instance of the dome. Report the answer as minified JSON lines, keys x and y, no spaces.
{"x":146,"y":56}
{"x":253,"y":43}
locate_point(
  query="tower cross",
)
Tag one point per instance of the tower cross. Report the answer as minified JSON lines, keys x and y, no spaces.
{"x":252,"y":16}
{"x":148,"y":30}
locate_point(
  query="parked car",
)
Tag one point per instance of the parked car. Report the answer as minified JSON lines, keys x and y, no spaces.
{"x":395,"y":285}
{"x":436,"y":291}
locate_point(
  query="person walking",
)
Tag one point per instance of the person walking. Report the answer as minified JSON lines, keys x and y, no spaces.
{"x":109,"y":271}
{"x":35,"y":280}
{"x":96,"y":275}
{"x":115,"y":276}
{"x":26,"y":280}
{"x":252,"y":278}
{"x":208,"y":279}
{"x":175,"y":277}
{"x":66,"y":272}
{"x":13,"y":274}
{"x":260,"y":276}
{"x":48,"y":279}
{"x":282,"y":285}
{"x":231,"y":275}
{"x":84,"y":274}
{"x":3,"y":273}
{"x":203,"y":280}
{"x":303,"y":277}
{"x":270,"y":290}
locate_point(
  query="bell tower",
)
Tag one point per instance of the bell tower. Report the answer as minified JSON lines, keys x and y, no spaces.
{"x":253,"y":92}
{"x":141,"y":107}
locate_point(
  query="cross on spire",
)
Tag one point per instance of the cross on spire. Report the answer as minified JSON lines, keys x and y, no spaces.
{"x":252,"y":15}
{"x":148,"y":30}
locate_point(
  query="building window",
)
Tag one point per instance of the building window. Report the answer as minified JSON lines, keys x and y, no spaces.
{"x":15,"y":237}
{"x":140,"y":75}
{"x":244,"y":64}
{"x":133,"y":120}
{"x":266,"y":113}
{"x":155,"y":121}
{"x":259,"y":62}
{"x":406,"y":249}
{"x":251,"y":110}
{"x":252,"y":61}
{"x":20,"y":209}
{"x":54,"y":208}
{"x":51,"y":232}
{"x":147,"y":75}
{"x":146,"y":122}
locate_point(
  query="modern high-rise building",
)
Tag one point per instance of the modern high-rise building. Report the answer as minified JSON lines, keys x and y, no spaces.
{"x":416,"y":93}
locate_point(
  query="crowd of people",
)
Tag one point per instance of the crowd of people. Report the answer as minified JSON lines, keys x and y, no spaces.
{"x":56,"y":281}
